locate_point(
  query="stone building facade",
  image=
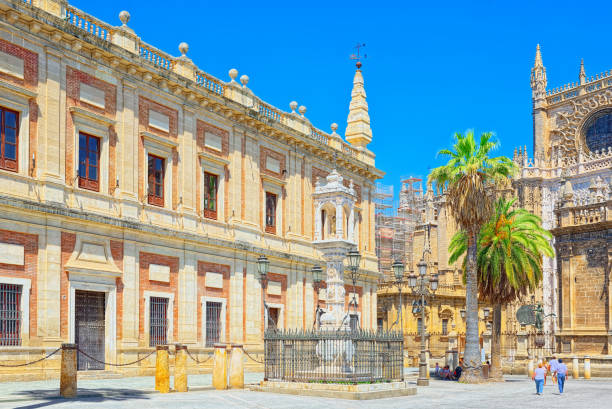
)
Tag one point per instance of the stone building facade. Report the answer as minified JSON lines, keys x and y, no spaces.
{"x":138,"y":191}
{"x":567,"y":182}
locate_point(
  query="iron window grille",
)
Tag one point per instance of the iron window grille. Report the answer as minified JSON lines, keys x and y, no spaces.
{"x":273,"y":314}
{"x":270,"y":213}
{"x":213,"y":323}
{"x":89,"y":162}
{"x":9,"y":139}
{"x":10,"y":315}
{"x":444,"y":327}
{"x":158,"y":321}
{"x":354,"y":322}
{"x":210,"y":195}
{"x":156,"y":180}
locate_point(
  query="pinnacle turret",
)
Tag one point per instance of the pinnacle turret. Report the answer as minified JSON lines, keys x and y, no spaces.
{"x":358,"y":132}
{"x":582,"y":74}
{"x":538,"y":76}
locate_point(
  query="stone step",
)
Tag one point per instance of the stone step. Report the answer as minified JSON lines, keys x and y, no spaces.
{"x":83,"y":375}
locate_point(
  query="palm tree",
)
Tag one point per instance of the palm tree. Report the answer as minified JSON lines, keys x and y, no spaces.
{"x":468,"y":178}
{"x":510,"y":249}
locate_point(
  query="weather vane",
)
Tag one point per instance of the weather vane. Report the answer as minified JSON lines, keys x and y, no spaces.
{"x":357,"y":56}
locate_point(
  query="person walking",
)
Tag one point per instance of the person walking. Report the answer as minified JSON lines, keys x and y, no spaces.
{"x":553,"y":363}
{"x":561,"y":375}
{"x":538,"y":377}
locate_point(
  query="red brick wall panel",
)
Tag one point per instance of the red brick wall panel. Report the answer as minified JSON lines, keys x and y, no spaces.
{"x":30,"y":65}
{"x":29,"y":270}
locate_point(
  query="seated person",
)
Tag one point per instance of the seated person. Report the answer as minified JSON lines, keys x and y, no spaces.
{"x":445,"y":373}
{"x":457,"y":372}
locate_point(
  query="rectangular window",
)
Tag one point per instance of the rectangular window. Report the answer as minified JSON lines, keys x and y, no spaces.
{"x":89,"y":162}
{"x":379,"y":324}
{"x":270,"y":213}
{"x":156,"y":180}
{"x":158,"y":321}
{"x":210,"y":195}
{"x":213,"y":323}
{"x":9,"y":137}
{"x":444,"y":327}
{"x":10,"y":315}
{"x":273,"y":314}
{"x":354,"y":322}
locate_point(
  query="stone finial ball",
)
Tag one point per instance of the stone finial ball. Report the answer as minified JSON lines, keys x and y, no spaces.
{"x":233,"y":73}
{"x":244,"y":80}
{"x":293,"y":105}
{"x":183,"y":48}
{"x":124,"y":16}
{"x":302,"y":109}
{"x":334,"y":127}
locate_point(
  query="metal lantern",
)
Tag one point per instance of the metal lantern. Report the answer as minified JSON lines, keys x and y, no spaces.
{"x":422,"y":266}
{"x":262,"y":267}
{"x":317,"y":274}
{"x":412,"y":280}
{"x":486,"y":313}
{"x":354,"y":259}
{"x":433,"y":282}
{"x":462,"y":312}
{"x":540,"y":340}
{"x":398,"y":270}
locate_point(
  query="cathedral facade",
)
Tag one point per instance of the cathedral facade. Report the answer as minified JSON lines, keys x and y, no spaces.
{"x":567,"y":181}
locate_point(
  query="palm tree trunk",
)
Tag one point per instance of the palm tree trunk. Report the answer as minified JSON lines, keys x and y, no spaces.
{"x":472,"y":371}
{"x":496,"y":372}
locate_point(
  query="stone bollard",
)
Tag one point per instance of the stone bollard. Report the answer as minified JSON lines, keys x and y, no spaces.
{"x":530,"y":367}
{"x":162,"y":370}
{"x":68,"y":374}
{"x":180,"y":368}
{"x":236,"y":364}
{"x":219,"y":380}
{"x":575,"y":368}
{"x":587,"y":367}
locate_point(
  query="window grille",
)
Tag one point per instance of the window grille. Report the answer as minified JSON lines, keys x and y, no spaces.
{"x":9,"y":139}
{"x":10,"y":315}
{"x":273,"y":314}
{"x":444,"y":327}
{"x":210,"y":195}
{"x":354,"y":322}
{"x":156,"y":180}
{"x":599,"y":132}
{"x":89,"y":162}
{"x":213,"y":323}
{"x":158,"y":321}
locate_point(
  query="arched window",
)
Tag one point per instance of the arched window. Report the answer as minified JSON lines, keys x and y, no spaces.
{"x":598,"y":134}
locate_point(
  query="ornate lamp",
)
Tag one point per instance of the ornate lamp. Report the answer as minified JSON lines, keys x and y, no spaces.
{"x":412,"y":280}
{"x":262,"y":268}
{"x":462,"y":312}
{"x":398,"y":270}
{"x":422,"y":266}
{"x":354,"y":259}
{"x":317,"y":274}
{"x":486,"y":313}
{"x":433,"y":282}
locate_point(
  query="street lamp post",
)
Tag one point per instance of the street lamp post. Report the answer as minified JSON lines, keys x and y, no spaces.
{"x":354,"y":259}
{"x":263,"y":264}
{"x":317,"y":278}
{"x":398,"y":274}
{"x":423,"y":286}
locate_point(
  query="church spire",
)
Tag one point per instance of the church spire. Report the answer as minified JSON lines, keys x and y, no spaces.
{"x":358,"y":132}
{"x":538,"y":77}
{"x":582,"y":75}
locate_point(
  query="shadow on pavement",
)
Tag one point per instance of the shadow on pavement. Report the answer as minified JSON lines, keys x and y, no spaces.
{"x":50,"y":398}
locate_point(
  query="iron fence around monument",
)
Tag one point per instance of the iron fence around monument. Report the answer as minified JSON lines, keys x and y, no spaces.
{"x":358,"y":356}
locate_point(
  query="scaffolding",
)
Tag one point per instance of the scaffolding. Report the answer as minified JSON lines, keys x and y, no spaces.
{"x":383,"y":204}
{"x":410,"y":210}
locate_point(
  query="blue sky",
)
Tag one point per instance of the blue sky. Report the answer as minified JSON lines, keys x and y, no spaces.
{"x":433,"y":68}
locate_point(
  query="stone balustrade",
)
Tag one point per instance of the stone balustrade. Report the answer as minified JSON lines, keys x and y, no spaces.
{"x":125,"y":38}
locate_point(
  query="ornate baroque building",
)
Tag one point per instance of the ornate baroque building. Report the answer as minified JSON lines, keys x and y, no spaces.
{"x":138,"y":191}
{"x":567,"y":182}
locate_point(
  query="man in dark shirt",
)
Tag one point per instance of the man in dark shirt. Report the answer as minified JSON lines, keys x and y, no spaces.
{"x":457,"y":373}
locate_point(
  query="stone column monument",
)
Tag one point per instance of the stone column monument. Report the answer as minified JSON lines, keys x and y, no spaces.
{"x":334,"y":237}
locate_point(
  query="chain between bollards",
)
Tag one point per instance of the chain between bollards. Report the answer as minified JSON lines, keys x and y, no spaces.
{"x":109,"y":363}
{"x":250,"y":357}
{"x":33,"y":362}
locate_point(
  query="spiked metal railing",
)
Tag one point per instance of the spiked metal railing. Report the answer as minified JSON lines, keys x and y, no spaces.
{"x":333,"y":356}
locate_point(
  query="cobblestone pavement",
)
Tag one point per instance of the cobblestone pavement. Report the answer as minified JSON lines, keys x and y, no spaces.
{"x":516,"y":392}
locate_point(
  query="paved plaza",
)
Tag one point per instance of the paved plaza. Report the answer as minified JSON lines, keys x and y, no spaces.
{"x":516,"y":392}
